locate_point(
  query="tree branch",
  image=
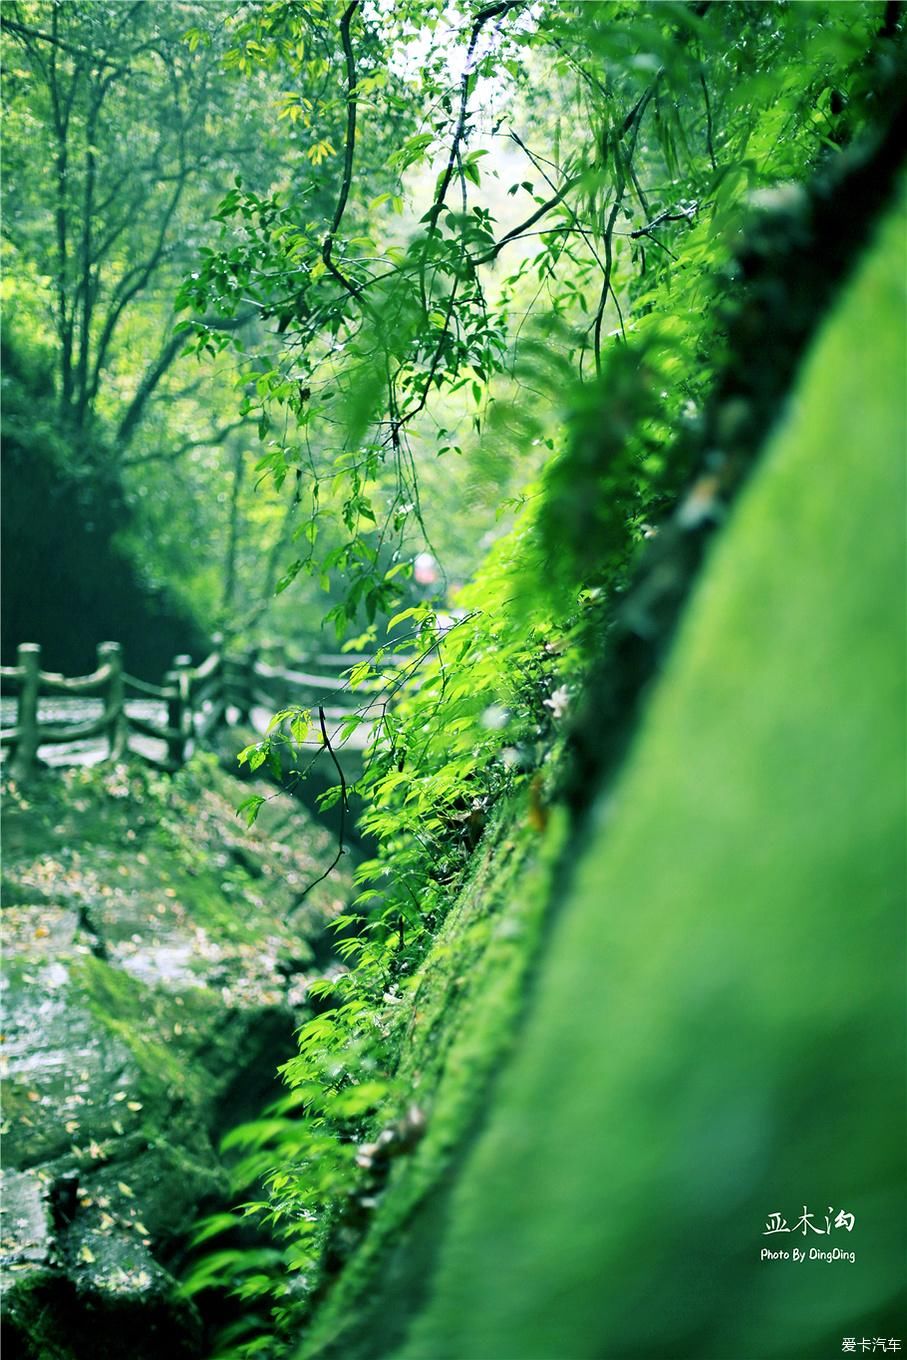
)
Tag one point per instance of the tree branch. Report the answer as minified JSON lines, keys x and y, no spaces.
{"x":632,"y":120}
{"x":134,"y":412}
{"x":26,"y":31}
{"x":139,"y":274}
{"x":215,"y":438}
{"x":530,"y":221}
{"x":482,"y":18}
{"x":349,"y":149}
{"x":153,"y":375}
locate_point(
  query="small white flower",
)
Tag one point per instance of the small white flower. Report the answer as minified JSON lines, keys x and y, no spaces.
{"x":559,"y":702}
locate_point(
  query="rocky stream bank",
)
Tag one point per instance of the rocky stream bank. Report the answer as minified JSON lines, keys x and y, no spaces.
{"x":156,"y":964}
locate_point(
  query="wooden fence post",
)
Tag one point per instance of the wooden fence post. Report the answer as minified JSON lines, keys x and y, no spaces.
{"x":28,"y":657}
{"x":111,"y":654}
{"x":179,"y":712}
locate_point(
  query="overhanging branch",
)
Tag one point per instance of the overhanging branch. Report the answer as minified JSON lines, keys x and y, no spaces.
{"x":26,"y":31}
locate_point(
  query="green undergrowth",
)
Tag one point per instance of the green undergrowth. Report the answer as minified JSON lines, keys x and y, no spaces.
{"x":417,"y":1069}
{"x":462,"y":799}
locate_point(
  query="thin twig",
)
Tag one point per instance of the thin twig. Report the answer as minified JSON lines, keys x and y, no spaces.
{"x":655,"y":241}
{"x":344,"y":801}
{"x":710,"y":145}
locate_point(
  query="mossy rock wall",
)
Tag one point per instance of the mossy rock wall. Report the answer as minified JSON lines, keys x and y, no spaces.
{"x":716,"y":1030}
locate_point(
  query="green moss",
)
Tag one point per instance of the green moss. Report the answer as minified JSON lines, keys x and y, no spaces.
{"x":136,"y":1014}
{"x":33,"y":1327}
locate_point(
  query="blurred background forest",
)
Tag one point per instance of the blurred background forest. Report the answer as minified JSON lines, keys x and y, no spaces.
{"x":136,"y":506}
{"x":130,"y":507}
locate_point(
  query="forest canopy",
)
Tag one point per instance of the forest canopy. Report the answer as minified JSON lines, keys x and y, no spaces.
{"x":402,"y":241}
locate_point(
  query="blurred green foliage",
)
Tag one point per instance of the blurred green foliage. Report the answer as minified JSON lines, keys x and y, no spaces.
{"x":121,"y":135}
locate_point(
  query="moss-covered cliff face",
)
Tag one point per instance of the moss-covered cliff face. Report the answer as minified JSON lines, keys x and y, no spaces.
{"x":154,"y":971}
{"x":714,"y":1026}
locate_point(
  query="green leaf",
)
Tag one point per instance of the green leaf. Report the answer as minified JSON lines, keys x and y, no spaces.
{"x":251,"y":807}
{"x":403,"y":615}
{"x":299,"y":726}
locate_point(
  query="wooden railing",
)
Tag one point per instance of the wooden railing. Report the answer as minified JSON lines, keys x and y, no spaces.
{"x":178,"y":716}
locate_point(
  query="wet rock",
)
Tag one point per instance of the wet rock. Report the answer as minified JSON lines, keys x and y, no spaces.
{"x":146,"y":1011}
{"x":26,"y":1226}
{"x":113,"y":1308}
